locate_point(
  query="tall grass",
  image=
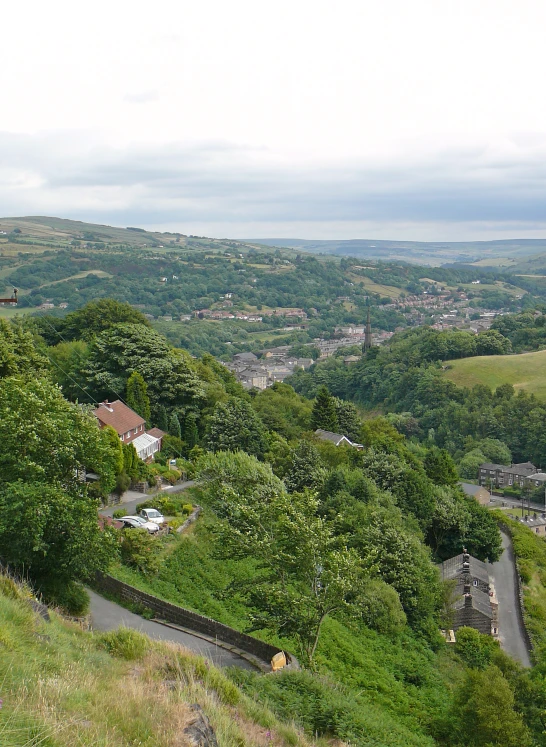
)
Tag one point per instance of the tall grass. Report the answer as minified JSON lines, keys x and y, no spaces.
{"x":60,"y":687}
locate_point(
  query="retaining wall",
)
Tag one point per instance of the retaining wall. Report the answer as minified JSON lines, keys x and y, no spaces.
{"x":179,"y":616}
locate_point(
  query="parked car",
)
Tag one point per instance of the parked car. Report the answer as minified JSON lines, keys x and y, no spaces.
{"x":152,"y":514}
{"x":137,"y":522}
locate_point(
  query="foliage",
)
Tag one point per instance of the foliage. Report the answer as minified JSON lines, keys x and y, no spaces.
{"x":349,"y":423}
{"x":174,"y":427}
{"x":18,"y":354}
{"x":140,"y":550}
{"x":69,"y":596}
{"x":283,"y":411}
{"x":137,"y":396}
{"x":440,"y":467}
{"x":120,"y":350}
{"x":324,"y":413}
{"x":484,"y":712}
{"x":474,"y":648}
{"x":52,"y":532}
{"x":305,"y":469}
{"x":234,"y":425}
{"x":305,"y":572}
{"x":125,"y":643}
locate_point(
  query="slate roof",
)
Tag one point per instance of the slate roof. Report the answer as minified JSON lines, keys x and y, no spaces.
{"x":335,"y":438}
{"x":119,"y":416}
{"x":480,"y":601}
{"x":470,"y":489}
{"x":453,"y":567}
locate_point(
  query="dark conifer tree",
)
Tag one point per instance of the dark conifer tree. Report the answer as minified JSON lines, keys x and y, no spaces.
{"x":324,"y":411}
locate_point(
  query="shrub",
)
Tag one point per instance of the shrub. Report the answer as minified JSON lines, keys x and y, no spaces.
{"x":125,"y":644}
{"x":69,"y":596}
{"x":118,"y":513}
{"x":140,"y":550}
{"x":474,"y":648}
{"x":171,"y":475}
{"x":123,"y":481}
{"x":187,"y":508}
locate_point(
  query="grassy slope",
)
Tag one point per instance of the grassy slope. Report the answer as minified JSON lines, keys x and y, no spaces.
{"x":525,"y":371}
{"x":60,"y":688}
{"x":397,"y":687}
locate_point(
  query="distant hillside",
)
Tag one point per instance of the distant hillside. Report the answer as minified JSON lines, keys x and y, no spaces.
{"x":526,"y":371}
{"x":38,"y":233}
{"x":498,"y":254}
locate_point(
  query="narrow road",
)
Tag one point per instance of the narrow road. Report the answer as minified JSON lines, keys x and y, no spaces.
{"x":511,"y":631}
{"x":130,"y":499}
{"x":106,"y":615}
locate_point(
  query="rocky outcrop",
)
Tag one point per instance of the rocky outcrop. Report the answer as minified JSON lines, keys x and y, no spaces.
{"x":199,"y":732}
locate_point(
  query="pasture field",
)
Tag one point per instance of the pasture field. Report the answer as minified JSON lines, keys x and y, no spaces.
{"x":526,"y":371}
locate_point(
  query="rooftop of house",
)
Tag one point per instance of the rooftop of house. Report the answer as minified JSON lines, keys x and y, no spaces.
{"x":454,"y":567}
{"x":540,"y":476}
{"x":119,"y":416}
{"x":470,"y":489}
{"x":335,"y":438}
{"x":156,"y":432}
{"x":523,"y":468}
{"x":245,"y":357}
{"x":480,"y":601}
{"x":533,"y":521}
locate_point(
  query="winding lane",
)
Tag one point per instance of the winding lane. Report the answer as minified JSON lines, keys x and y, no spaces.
{"x":106,"y":615}
{"x":511,"y":631}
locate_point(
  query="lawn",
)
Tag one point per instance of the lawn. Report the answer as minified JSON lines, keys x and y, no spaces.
{"x":526,"y":371}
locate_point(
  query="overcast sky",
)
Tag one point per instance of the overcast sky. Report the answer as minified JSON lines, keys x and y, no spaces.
{"x":300,"y":118}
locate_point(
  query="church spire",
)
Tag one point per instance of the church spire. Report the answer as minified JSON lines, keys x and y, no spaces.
{"x":368,"y":333}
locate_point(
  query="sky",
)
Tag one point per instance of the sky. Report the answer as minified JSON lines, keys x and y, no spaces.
{"x":387,"y":119}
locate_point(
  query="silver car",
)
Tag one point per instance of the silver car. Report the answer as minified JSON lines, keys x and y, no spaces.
{"x":136,"y":522}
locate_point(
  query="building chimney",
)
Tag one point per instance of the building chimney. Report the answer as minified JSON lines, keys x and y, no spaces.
{"x":468,"y":600}
{"x":466,"y":588}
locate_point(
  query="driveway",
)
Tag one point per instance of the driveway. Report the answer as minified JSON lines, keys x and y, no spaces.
{"x":130,"y":499}
{"x":106,"y":615}
{"x":511,"y":631}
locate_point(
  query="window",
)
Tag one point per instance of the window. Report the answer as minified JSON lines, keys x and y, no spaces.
{"x":475,"y":582}
{"x":122,"y":436}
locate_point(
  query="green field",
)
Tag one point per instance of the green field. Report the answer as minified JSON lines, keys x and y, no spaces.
{"x":526,"y":371}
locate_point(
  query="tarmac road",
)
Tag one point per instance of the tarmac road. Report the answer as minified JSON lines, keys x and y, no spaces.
{"x":106,"y":615}
{"x":130,"y":499}
{"x":511,"y":631}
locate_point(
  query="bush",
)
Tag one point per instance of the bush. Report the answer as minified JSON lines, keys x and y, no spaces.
{"x":123,"y":482}
{"x":172,"y":476}
{"x":513,"y":492}
{"x":125,"y":644}
{"x":140,"y":550}
{"x":69,"y":596}
{"x":187,"y":508}
{"x":118,"y":513}
{"x":474,"y":648}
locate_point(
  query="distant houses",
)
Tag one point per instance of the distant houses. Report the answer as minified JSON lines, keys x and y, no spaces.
{"x":504,"y":476}
{"x":276,"y":365}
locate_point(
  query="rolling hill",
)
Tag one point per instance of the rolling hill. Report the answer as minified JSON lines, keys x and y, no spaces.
{"x":526,"y":371}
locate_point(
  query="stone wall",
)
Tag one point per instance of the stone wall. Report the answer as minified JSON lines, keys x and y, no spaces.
{"x":185,"y":618}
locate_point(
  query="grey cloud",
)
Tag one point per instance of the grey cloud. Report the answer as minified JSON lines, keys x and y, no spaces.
{"x":219,"y":182}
